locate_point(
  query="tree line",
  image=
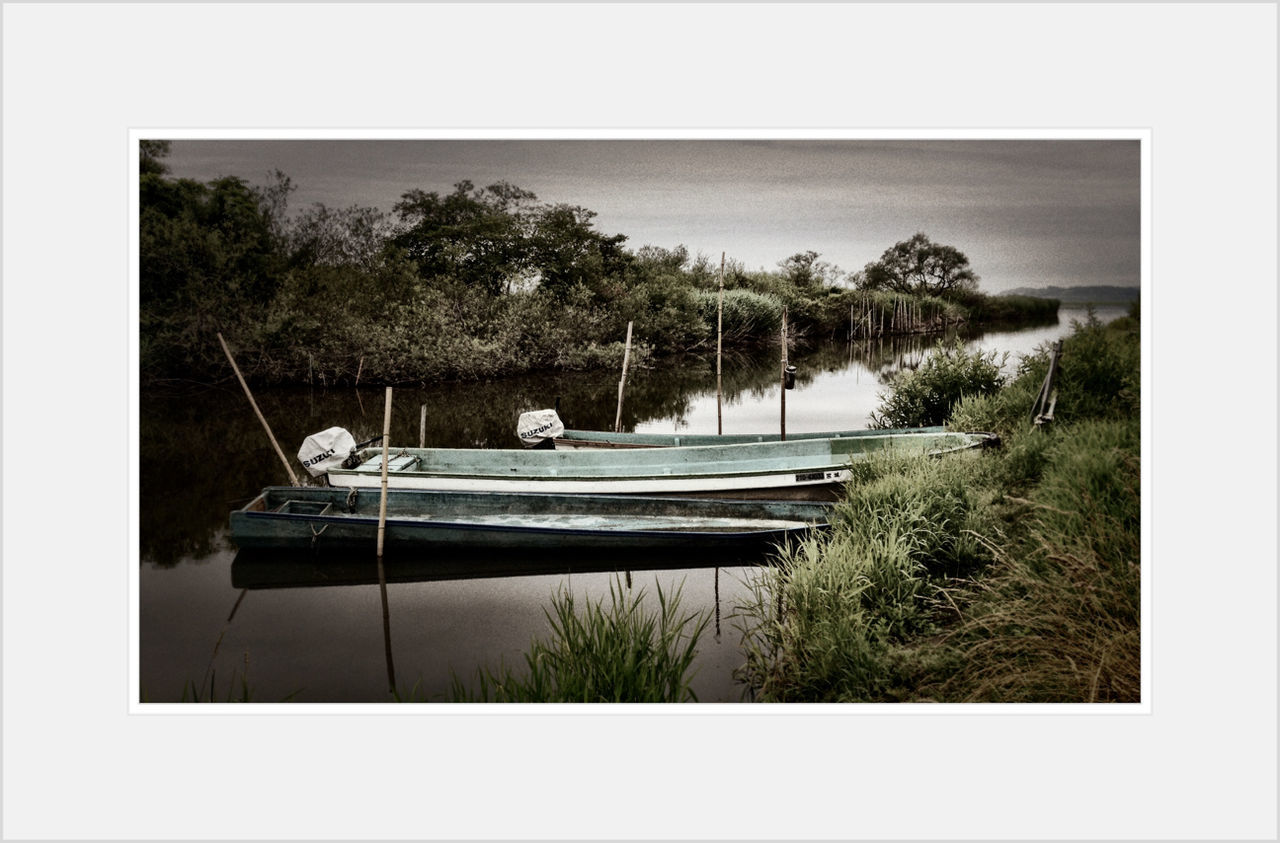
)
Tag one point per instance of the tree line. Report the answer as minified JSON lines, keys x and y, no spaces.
{"x":473,"y":283}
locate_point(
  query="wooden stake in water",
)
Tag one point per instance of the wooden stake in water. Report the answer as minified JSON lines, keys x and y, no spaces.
{"x":382,"y":531}
{"x":719,"y":346}
{"x":422,"y":428}
{"x":293,"y":478}
{"x":386,"y":448}
{"x":622,"y":384}
{"x":783,"y":382}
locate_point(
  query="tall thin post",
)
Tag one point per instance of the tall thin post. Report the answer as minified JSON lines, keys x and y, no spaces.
{"x":783,"y":382}
{"x":386,"y":449}
{"x":292,"y":477}
{"x":719,"y":346}
{"x":622,"y":384}
{"x":382,"y":531}
{"x":422,"y":428}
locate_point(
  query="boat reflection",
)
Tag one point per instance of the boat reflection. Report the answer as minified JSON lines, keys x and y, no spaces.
{"x":266,"y":569}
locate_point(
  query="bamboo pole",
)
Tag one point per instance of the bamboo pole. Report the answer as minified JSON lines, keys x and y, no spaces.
{"x":719,"y":347}
{"x":292,"y":477}
{"x":382,"y":530}
{"x":386,"y":448}
{"x":782,"y":426}
{"x":386,"y":625}
{"x":359,"y":369}
{"x":622,"y":384}
{"x":422,"y":428}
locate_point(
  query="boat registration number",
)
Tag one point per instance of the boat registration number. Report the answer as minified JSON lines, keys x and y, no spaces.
{"x":817,"y":475}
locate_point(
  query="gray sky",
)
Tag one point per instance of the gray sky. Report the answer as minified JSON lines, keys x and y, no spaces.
{"x":1026,"y":212}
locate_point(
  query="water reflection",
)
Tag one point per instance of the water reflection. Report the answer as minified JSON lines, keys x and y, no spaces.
{"x":265,"y":569}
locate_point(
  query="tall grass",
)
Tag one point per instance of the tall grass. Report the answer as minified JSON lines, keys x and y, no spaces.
{"x":1057,"y":618}
{"x":619,"y":653}
{"x":832,"y":621}
{"x":1011,"y":576}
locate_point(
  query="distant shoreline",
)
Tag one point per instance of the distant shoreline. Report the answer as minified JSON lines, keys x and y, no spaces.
{"x":1098,"y":294}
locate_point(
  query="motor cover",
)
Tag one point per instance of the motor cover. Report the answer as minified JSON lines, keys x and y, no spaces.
{"x":536,"y":426}
{"x":325,"y":450}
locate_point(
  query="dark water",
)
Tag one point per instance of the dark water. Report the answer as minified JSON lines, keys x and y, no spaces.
{"x":293,"y":626}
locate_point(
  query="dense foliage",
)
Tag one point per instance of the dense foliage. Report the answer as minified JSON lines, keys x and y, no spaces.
{"x":472,"y":284}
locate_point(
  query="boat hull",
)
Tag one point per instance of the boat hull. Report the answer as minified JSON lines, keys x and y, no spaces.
{"x":808,"y":469}
{"x":333,"y":518}
{"x":605,"y":439}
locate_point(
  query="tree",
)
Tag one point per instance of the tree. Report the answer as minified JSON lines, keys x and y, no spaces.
{"x":566,"y":251}
{"x":806,"y":272}
{"x":921,"y":266}
{"x":209,"y":261}
{"x":476,"y":237}
{"x":150,"y":153}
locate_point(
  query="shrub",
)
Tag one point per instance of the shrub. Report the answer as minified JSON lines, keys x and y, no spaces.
{"x":926,"y":396}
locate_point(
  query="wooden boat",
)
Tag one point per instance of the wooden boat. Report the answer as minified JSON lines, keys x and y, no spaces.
{"x":323,"y":518}
{"x":608,"y":439}
{"x":802,"y":469}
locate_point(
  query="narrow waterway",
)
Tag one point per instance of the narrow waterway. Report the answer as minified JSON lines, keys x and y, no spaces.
{"x":214,"y":622}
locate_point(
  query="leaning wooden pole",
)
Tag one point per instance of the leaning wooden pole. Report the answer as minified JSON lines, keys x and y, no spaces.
{"x":719,"y":346}
{"x":292,"y":477}
{"x":622,"y":384}
{"x":783,"y":382}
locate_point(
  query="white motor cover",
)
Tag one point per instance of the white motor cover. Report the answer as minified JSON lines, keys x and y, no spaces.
{"x":538,"y":425}
{"x":325,"y":450}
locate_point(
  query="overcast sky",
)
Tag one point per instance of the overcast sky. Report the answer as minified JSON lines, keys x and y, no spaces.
{"x":1026,"y":212}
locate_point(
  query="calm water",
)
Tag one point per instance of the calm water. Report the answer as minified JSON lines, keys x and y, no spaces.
{"x":316,"y":630}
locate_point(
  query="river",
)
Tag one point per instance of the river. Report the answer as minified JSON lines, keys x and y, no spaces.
{"x":212,"y":624}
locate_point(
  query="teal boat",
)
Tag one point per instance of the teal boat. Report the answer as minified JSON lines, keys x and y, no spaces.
{"x":608,"y":439}
{"x":322,"y":518}
{"x":797,"y":469}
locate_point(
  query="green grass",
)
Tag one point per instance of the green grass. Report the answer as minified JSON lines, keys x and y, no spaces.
{"x":1057,"y":617}
{"x":1005,"y":576}
{"x":622,"y":652}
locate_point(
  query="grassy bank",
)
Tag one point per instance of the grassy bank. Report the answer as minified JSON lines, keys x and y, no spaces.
{"x":1013,"y":576}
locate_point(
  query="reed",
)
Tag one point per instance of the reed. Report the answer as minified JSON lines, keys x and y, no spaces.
{"x":622,"y":652}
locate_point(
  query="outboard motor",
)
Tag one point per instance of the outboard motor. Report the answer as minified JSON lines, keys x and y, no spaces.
{"x":325,"y":450}
{"x":539,"y":429}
